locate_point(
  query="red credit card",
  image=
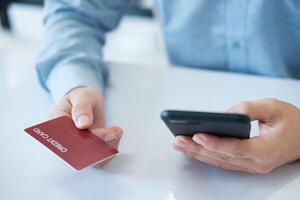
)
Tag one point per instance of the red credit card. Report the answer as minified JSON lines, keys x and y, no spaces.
{"x":79,"y":148}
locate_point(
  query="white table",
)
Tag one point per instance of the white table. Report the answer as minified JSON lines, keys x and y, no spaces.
{"x":148,"y":167}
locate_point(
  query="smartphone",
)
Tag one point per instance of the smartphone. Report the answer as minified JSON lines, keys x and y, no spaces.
{"x":188,"y":123}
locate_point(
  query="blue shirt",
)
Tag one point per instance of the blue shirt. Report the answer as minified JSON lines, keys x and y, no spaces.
{"x":251,"y":36}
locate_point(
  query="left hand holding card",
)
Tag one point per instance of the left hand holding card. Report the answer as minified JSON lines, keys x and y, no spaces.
{"x":78,"y":148}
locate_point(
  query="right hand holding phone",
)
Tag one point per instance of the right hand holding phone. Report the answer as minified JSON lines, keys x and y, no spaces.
{"x":277,"y":144}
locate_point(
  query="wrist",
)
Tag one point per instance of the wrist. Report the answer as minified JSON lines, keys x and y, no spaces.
{"x":63,"y":80}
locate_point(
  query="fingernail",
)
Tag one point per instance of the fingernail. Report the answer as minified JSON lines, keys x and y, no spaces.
{"x":82,"y":120}
{"x":200,"y":139}
{"x":110,"y":137}
{"x":180,"y":142}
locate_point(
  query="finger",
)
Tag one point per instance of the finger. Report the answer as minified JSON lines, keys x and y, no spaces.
{"x":98,"y":116}
{"x":211,"y":161}
{"x":103,"y":163}
{"x":178,"y":148}
{"x":82,"y":111}
{"x":218,"y":163}
{"x":119,"y":131}
{"x":236,"y":148}
{"x":101,"y":132}
{"x":189,"y":145}
{"x":111,"y":135}
{"x":265,"y":109}
{"x":63,"y":108}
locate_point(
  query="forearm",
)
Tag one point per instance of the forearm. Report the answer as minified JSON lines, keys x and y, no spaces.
{"x":73,"y":43}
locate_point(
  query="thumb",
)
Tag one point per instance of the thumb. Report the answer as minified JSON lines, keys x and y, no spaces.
{"x":82,"y":111}
{"x":264,"y":109}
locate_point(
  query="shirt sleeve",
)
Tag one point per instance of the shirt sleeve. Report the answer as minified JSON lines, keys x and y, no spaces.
{"x":74,"y":37}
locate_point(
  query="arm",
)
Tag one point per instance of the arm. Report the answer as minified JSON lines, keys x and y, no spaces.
{"x":74,"y":37}
{"x":70,"y":65}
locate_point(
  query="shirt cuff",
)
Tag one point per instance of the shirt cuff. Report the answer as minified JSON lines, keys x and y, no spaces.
{"x":63,"y":79}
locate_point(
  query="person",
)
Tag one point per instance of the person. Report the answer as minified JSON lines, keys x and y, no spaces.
{"x":256,"y":37}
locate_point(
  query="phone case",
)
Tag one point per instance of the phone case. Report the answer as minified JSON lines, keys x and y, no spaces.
{"x":220,"y":124}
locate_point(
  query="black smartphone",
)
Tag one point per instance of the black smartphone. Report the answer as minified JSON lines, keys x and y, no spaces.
{"x":188,"y":123}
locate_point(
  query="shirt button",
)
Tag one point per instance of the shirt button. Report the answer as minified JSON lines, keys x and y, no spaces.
{"x":236,"y":45}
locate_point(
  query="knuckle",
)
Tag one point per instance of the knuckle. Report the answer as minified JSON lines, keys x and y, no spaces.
{"x":263,"y":169}
{"x":222,"y":157}
{"x":245,"y":107}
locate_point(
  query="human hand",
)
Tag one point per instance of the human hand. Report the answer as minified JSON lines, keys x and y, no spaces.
{"x":85,"y":105}
{"x":277,"y":144}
